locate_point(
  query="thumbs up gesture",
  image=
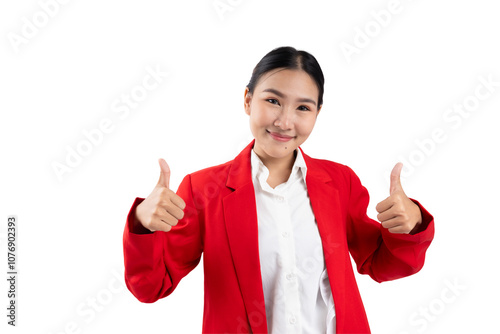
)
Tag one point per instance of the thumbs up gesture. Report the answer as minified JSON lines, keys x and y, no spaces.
{"x":163,"y":208}
{"x":398,"y":213}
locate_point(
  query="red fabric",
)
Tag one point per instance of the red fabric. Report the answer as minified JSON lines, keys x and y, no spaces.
{"x":221,"y":221}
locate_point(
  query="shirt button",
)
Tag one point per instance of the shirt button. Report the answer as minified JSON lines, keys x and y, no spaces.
{"x":284,"y":234}
{"x":289,"y":276}
{"x":292,"y":320}
{"x":280,"y":198}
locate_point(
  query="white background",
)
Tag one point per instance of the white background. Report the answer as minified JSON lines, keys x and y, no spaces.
{"x":64,"y":79}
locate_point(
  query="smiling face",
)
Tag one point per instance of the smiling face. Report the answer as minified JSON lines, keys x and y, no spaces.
{"x":283,"y":110}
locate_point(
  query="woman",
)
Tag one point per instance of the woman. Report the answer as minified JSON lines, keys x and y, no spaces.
{"x":276,"y":226}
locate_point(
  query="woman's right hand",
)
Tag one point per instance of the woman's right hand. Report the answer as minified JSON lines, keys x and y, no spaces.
{"x":163,"y":208}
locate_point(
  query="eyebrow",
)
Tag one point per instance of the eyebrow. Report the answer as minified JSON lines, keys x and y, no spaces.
{"x":280,"y":94}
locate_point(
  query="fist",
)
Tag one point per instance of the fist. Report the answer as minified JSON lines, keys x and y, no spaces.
{"x":163,"y":208}
{"x":398,"y":213}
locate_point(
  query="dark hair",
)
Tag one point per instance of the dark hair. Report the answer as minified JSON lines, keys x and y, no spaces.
{"x":288,"y":57}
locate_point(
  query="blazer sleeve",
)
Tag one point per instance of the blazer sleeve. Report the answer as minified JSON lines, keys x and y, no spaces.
{"x":377,"y":252}
{"x":155,"y":262}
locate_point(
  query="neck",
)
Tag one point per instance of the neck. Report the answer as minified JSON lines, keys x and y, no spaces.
{"x":278,"y":165}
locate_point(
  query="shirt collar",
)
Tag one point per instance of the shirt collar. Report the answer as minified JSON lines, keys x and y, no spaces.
{"x":299,"y":166}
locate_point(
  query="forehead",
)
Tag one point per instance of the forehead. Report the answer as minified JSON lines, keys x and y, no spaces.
{"x":296,"y":82}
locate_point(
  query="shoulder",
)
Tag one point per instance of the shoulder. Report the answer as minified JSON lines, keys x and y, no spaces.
{"x":338,"y":175}
{"x":215,"y":172}
{"x":329,"y":165}
{"x":328,"y":168}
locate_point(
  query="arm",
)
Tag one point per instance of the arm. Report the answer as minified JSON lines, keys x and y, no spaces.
{"x":155,"y":262}
{"x":377,"y":252}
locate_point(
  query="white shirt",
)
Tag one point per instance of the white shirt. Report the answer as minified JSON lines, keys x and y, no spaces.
{"x":297,"y":293}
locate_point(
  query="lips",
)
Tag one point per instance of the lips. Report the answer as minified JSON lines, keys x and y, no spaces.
{"x":279,"y":137}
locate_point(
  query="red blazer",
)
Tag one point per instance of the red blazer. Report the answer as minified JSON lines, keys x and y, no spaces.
{"x":221,"y":221}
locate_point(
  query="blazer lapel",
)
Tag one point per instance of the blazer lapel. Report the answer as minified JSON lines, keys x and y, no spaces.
{"x":240,"y":216}
{"x":325,"y":203}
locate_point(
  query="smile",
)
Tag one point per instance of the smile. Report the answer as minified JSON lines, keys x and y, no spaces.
{"x":279,"y":137}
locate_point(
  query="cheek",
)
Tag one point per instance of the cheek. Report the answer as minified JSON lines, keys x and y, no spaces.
{"x":305,"y":125}
{"x":261,"y":119}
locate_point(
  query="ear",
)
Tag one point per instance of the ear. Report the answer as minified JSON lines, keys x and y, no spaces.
{"x":247,"y":100}
{"x":319,"y":109}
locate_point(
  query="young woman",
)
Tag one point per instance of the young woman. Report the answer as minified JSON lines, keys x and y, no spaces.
{"x":276,"y":226}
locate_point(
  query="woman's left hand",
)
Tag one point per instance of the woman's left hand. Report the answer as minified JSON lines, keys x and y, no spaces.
{"x":398,"y":213}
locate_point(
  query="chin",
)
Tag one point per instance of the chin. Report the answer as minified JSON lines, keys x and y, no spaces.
{"x":279,"y":151}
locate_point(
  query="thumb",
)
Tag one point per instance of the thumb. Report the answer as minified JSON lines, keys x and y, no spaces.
{"x":396,"y":178}
{"x":165,"y":173}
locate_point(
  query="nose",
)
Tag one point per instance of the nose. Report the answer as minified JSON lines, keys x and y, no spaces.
{"x":284,"y":119}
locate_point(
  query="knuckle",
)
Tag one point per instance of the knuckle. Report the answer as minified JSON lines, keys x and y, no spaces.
{"x":157,"y":211}
{"x":151,"y":226}
{"x":164,"y":192}
{"x":160,"y":200}
{"x":148,"y":222}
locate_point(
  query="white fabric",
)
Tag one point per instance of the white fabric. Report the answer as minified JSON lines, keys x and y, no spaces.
{"x":297,"y":293}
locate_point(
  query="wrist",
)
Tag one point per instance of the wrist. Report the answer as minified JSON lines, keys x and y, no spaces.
{"x":418,"y":225}
{"x":135,"y":224}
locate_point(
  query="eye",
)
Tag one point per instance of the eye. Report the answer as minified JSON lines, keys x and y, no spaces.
{"x":304,"y":108}
{"x":273,"y":101}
